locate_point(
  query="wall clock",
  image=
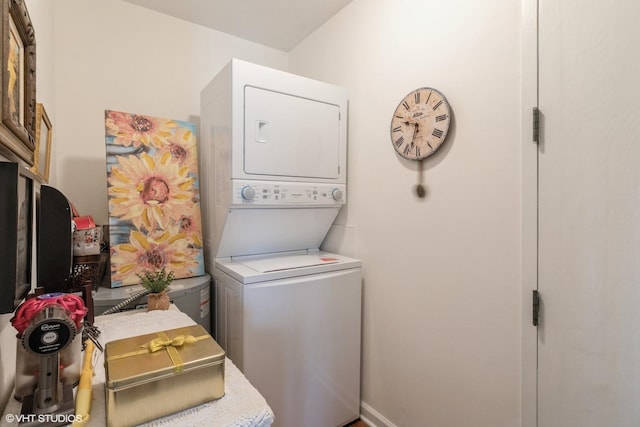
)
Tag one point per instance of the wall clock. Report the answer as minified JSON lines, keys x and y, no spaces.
{"x":420,"y":123}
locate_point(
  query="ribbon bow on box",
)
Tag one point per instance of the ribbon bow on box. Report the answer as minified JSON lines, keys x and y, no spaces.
{"x":164,"y":342}
{"x":159,"y":343}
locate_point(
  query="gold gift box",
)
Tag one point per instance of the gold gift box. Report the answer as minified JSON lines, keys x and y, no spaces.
{"x":154,"y":375}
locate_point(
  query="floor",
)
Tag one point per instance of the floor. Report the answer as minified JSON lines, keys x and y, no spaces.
{"x":357,"y":423}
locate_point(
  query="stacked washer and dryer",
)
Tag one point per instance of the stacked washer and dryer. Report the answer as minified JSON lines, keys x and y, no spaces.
{"x":273,"y":154}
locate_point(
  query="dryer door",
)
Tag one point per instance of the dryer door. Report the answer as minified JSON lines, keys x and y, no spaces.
{"x":290,"y":136}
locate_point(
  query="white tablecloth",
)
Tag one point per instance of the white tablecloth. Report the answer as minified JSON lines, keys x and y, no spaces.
{"x":241,"y":406}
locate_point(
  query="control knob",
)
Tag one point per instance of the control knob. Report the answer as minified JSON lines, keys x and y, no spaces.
{"x":247,"y":192}
{"x":336,"y":193}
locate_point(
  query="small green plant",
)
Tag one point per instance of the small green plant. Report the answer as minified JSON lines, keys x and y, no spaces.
{"x":156,"y":281}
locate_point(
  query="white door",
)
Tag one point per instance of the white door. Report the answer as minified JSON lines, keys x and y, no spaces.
{"x":290,"y":136}
{"x":589,"y":214}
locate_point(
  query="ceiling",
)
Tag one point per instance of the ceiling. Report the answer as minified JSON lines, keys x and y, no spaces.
{"x":280,"y":24}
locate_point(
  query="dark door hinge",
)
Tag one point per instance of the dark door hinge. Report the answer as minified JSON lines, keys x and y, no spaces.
{"x":536,"y":125}
{"x":536,"y":307}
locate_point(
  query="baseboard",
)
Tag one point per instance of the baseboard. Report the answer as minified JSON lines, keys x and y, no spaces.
{"x":373,"y":418}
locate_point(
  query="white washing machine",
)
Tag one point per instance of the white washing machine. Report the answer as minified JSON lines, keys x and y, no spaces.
{"x":273,"y":152}
{"x":291,"y":323}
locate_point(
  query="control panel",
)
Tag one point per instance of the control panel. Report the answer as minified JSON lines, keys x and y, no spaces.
{"x":271,"y":193}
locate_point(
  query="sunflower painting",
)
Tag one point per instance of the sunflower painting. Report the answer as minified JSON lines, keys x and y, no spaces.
{"x":154,"y":198}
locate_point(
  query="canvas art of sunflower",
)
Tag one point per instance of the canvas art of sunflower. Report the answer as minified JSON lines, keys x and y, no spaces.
{"x":154,"y":197}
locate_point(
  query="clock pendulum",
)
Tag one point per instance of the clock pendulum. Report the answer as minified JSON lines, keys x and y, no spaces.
{"x":421,"y":191}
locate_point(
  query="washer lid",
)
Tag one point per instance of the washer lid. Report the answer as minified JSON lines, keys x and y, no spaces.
{"x":271,"y":267}
{"x":266,"y":265}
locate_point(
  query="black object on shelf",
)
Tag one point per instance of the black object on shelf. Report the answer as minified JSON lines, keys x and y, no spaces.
{"x":55,"y":240}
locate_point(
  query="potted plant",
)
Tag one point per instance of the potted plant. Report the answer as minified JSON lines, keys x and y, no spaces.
{"x":156,"y":282}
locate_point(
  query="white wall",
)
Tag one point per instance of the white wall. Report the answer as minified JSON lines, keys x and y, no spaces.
{"x":441,"y":274}
{"x":114,"y":55}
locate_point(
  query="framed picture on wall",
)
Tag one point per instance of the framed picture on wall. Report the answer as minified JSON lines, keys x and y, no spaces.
{"x":42,"y":154}
{"x":17,"y":81}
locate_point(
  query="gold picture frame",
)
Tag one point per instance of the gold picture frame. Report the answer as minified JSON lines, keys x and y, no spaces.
{"x":17,"y":82}
{"x":44,"y":136}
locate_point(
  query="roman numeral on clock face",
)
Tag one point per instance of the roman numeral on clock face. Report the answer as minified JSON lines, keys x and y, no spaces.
{"x":405,"y":105}
{"x":417,"y":97}
{"x":399,"y":141}
{"x":435,"y":107}
{"x":437,"y":133}
{"x":397,"y":129}
{"x":441,"y":117}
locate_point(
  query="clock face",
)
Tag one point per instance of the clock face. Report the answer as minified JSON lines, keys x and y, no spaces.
{"x":420,"y":123}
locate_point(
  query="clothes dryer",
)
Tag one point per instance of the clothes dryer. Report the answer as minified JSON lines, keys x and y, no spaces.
{"x":273,"y":151}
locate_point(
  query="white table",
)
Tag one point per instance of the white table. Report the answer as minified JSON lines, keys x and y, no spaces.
{"x":241,"y":406}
